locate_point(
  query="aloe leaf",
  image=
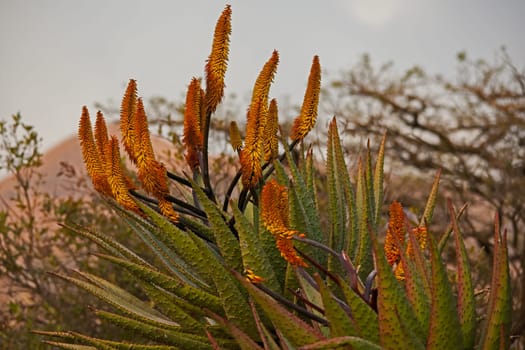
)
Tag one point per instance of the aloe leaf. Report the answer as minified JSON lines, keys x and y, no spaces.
{"x":243,"y":340}
{"x":166,"y":245}
{"x":266,"y":338}
{"x":194,"y":296}
{"x":306,"y":201}
{"x":365,"y":318}
{"x":378,"y":181}
{"x":310,"y":291}
{"x":293,"y":328}
{"x":343,"y":177}
{"x":253,"y":254}
{"x":398,"y":326}
{"x":431,"y":201}
{"x":226,"y":241}
{"x":363,"y":256}
{"x":123,"y":302}
{"x":466,"y":306}
{"x":340,"y":323}
{"x":172,"y":337}
{"x":336,"y":194}
{"x":496,"y":331}
{"x":182,"y":243}
{"x":444,"y":329}
{"x":355,"y":343}
{"x":67,"y":346}
{"x":108,"y":243}
{"x":234,"y":302}
{"x":445,"y":236}
{"x":370,"y":193}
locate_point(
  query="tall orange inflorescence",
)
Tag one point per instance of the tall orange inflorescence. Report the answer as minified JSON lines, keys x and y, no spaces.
{"x":274,"y":212}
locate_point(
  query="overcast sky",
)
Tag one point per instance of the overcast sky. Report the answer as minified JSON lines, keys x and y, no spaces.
{"x":57,"y":55}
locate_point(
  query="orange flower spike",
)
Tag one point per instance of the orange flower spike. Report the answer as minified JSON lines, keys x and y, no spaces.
{"x":101,"y":134}
{"x":92,"y":158}
{"x":306,"y":120}
{"x":217,"y":62}
{"x":288,"y":252}
{"x":274,"y":210}
{"x":252,"y":153}
{"x":128,"y":110}
{"x":420,"y":233}
{"x":166,"y":209}
{"x":271,"y":144}
{"x":262,"y":84}
{"x":235,"y":136}
{"x":116,"y":178}
{"x":192,"y":138}
{"x":395,"y":233}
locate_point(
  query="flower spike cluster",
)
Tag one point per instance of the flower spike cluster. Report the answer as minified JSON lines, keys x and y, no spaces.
{"x":396,"y":235}
{"x":271,"y":144}
{"x":274,"y":212}
{"x":306,"y":120}
{"x":193,"y":139}
{"x":218,"y":61}
{"x":253,"y":153}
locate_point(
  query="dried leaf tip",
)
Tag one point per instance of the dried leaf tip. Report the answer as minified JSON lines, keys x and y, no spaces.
{"x":128,"y":110}
{"x":274,"y":212}
{"x":217,"y":62}
{"x":192,"y":138}
{"x":306,"y":120}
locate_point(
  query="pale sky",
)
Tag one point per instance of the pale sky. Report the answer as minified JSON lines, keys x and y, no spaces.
{"x":57,"y":55}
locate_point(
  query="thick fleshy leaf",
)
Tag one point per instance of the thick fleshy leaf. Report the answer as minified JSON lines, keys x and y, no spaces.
{"x":363,"y":255}
{"x":339,"y":321}
{"x":234,"y":301}
{"x":378,"y":181}
{"x":354,"y":343}
{"x":162,"y":243}
{"x":193,"y":295}
{"x":431,"y":202}
{"x":297,"y":331}
{"x":365,"y":318}
{"x":252,"y":250}
{"x":182,"y":244}
{"x":226,"y":241}
{"x":496,"y":331}
{"x":67,"y":346}
{"x":466,"y":306}
{"x":172,"y":337}
{"x":444,"y":330}
{"x":243,"y":340}
{"x":398,"y":326}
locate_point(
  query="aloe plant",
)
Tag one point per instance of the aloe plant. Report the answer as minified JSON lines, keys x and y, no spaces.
{"x":258,"y":269}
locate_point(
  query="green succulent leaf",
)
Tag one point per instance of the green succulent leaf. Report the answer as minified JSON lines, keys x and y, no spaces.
{"x":226,"y":241}
{"x":444,"y":329}
{"x":253,"y":253}
{"x":496,"y":331}
{"x":378,"y":181}
{"x":466,"y":306}
{"x":171,"y":337}
{"x":431,"y":201}
{"x":398,"y":326}
{"x":355,"y":343}
{"x":67,"y":346}
{"x":244,"y":341}
{"x":363,"y":257}
{"x":365,"y":318}
{"x":297,"y":331}
{"x":192,"y":295}
{"x":339,"y":321}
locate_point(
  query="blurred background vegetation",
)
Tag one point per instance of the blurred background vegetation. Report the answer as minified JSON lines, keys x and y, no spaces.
{"x":472,"y":127}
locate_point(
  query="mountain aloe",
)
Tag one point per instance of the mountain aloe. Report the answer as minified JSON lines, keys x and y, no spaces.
{"x":267,"y":268}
